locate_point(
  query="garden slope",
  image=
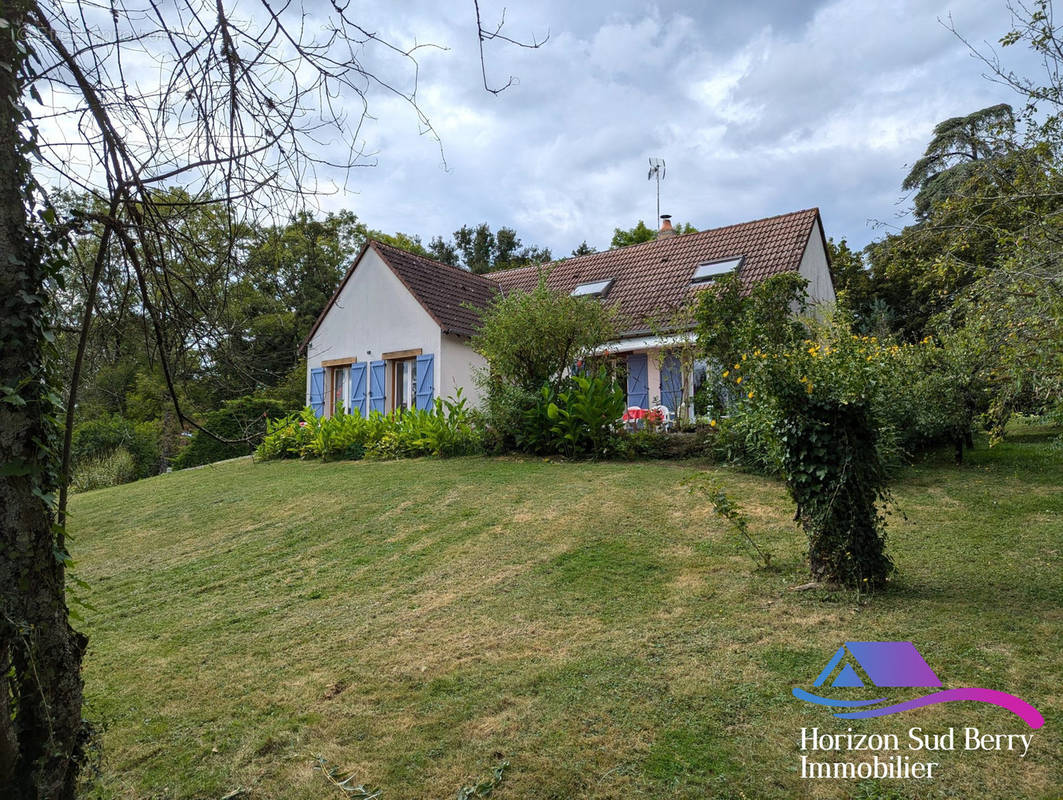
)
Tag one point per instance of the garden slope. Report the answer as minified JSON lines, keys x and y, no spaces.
{"x":417,"y":622}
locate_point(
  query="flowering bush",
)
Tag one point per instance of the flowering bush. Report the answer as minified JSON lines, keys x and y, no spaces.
{"x":841,"y":409}
{"x":824,"y":393}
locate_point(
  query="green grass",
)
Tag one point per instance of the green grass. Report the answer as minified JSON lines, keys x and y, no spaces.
{"x":418,"y":622}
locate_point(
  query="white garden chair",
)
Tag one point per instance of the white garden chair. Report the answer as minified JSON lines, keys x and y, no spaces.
{"x":667,"y":418}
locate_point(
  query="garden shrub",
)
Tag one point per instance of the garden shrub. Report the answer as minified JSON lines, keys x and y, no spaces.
{"x":747,"y":437}
{"x":445,"y":430}
{"x":531,"y":341}
{"x":532,"y":338}
{"x":112,"y":469}
{"x":288,"y":437}
{"x":243,"y":419}
{"x":825,"y":394}
{"x":650,"y":444}
{"x":514,"y":419}
{"x":585,"y":416}
{"x":94,"y":441}
{"x":580,"y":419}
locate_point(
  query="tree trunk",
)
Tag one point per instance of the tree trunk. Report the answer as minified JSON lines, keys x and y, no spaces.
{"x":41,"y":730}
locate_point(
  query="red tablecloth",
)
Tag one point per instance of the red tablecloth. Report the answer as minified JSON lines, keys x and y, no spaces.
{"x":635,"y":414}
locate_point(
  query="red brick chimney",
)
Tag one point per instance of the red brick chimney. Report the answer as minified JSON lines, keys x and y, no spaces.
{"x":666,"y":230}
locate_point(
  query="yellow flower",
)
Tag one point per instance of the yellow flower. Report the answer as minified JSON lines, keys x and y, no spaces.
{"x":750,"y":395}
{"x":726,"y":372}
{"x":739,"y":379}
{"x":743,"y":356}
{"x":712,"y":423}
{"x":738,"y":366}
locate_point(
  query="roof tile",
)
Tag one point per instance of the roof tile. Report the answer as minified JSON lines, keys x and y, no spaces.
{"x":652,"y":277}
{"x":649,"y":278}
{"x":446,"y":292}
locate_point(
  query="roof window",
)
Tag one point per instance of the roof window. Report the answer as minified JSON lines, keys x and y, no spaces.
{"x":593,"y":288}
{"x":708,"y":271}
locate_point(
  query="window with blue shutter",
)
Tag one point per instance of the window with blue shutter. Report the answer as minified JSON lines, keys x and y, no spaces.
{"x":317,"y":391}
{"x":377,"y":382}
{"x":638,"y":384}
{"x":424,"y":392}
{"x":358,"y":387}
{"x":671,"y":383}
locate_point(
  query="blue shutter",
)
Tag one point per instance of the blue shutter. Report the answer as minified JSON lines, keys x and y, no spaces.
{"x":424,"y":392}
{"x":638,"y":385}
{"x":317,"y":391}
{"x":377,"y":381}
{"x":358,"y":389}
{"x":671,"y":383}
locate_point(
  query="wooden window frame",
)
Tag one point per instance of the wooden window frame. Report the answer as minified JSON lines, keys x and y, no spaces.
{"x":339,"y":362}
{"x":402,"y":355}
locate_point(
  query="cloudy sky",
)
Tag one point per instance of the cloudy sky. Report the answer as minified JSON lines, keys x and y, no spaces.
{"x":758,"y":107}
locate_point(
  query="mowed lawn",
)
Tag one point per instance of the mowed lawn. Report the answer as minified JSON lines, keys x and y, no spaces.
{"x":416,"y":623}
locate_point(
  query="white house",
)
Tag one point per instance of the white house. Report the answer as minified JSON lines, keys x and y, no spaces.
{"x":396,"y":332}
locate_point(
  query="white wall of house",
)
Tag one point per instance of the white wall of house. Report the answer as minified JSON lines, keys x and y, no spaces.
{"x":374,"y":314}
{"x":459,"y":365}
{"x":814,"y":267}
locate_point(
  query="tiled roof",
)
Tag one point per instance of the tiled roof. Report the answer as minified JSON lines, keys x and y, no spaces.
{"x":648,"y":279}
{"x":443,"y":290}
{"x":652,"y":277}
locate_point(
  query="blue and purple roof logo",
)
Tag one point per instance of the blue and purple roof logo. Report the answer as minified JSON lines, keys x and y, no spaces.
{"x":888,"y":665}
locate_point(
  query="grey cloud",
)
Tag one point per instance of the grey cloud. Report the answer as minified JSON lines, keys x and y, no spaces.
{"x":759,"y":108}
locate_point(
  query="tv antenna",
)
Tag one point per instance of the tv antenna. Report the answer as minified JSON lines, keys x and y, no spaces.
{"x":657,"y":168}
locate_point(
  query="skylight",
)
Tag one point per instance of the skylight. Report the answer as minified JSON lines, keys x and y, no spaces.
{"x":710,"y":270}
{"x":593,"y":289}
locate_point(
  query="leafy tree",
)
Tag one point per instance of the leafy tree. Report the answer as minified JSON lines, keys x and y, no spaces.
{"x":853,"y":285}
{"x":640,"y":233}
{"x":584,"y":249}
{"x":921,"y":272}
{"x":477,"y":247}
{"x":732,"y":322}
{"x":532,"y":338}
{"x":637,"y":235}
{"x":957,"y":145}
{"x":411,"y":243}
{"x":482,"y":250}
{"x":442,"y":250}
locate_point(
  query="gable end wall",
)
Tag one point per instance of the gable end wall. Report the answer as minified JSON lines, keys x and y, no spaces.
{"x":373,"y":314}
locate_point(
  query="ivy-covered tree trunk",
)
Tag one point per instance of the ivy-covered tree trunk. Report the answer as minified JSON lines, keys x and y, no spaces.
{"x":41,"y":728}
{"x":836,"y":478}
